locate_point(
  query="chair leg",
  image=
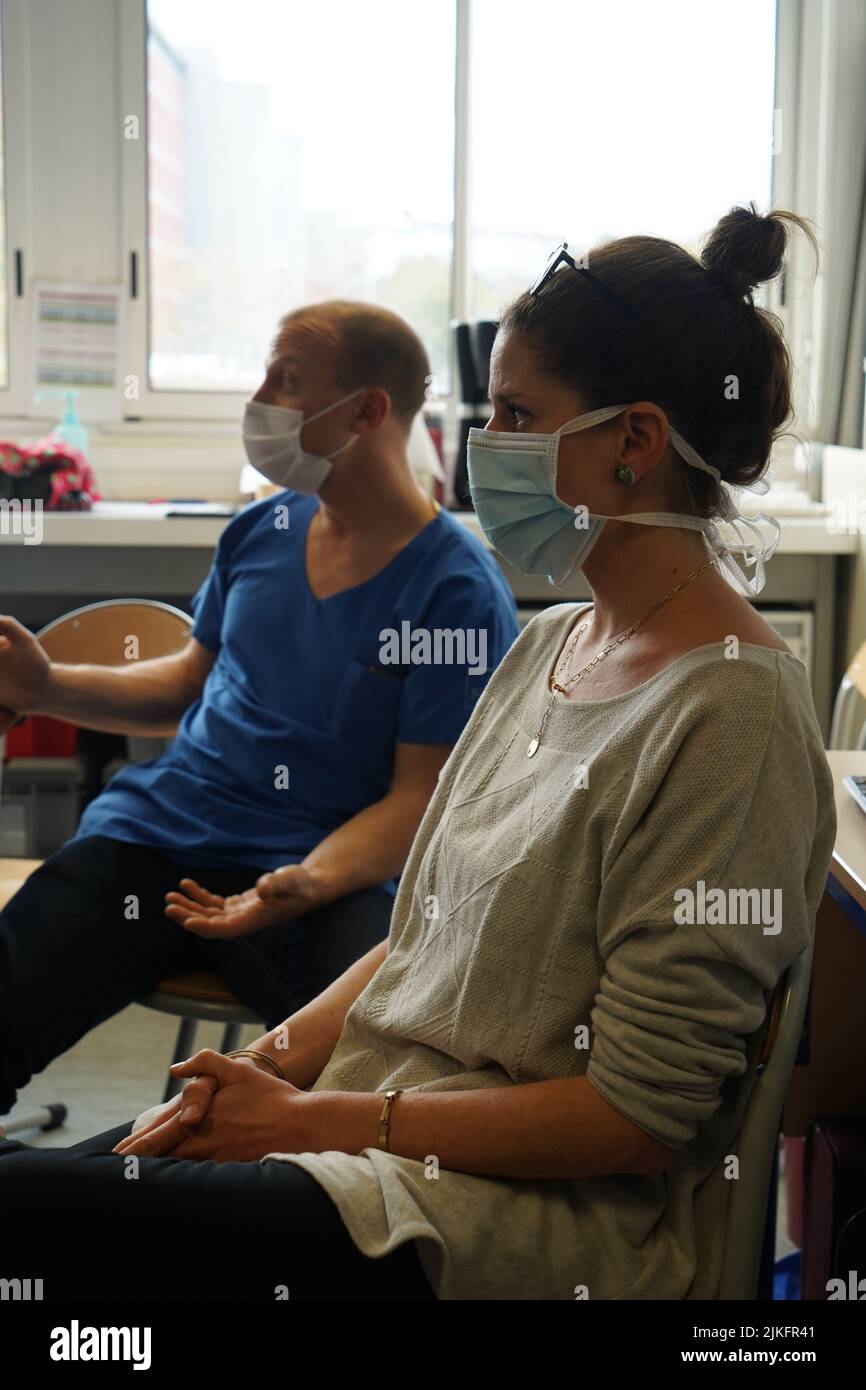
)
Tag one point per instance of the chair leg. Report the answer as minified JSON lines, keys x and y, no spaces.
{"x":183,"y":1048}
{"x":768,"y":1250}
{"x":231,"y":1037}
{"x":47,"y":1117}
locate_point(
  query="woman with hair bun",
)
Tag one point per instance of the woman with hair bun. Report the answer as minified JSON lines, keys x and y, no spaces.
{"x":534,"y":1089}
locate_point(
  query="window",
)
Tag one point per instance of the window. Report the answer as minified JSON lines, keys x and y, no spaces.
{"x":602,"y":121}
{"x":295,"y":152}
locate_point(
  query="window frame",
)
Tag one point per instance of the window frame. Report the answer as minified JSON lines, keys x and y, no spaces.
{"x":17,"y":137}
{"x":197,"y":412}
{"x":800,"y":158}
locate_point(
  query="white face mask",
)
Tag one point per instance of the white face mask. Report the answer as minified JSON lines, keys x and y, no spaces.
{"x":272,"y":440}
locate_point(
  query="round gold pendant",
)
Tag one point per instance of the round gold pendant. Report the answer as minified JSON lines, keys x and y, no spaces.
{"x":532,"y":749}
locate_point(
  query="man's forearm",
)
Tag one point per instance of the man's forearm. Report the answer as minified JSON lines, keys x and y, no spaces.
{"x":302,"y":1045}
{"x":364,"y":852}
{"x":370,"y":848}
{"x":147,"y":697}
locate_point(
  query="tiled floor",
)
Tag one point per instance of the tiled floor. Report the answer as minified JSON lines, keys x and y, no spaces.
{"x":111,"y":1075}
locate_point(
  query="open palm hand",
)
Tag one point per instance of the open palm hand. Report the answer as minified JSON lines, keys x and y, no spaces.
{"x":276,"y":897}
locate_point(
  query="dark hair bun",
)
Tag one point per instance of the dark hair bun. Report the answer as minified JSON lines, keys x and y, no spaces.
{"x":745,"y":249}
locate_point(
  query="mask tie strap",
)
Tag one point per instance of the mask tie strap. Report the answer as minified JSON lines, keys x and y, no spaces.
{"x":754,"y":552}
{"x":690,"y":455}
{"x":593,"y":417}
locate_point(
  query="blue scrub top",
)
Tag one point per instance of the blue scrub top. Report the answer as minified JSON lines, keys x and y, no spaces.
{"x":298,"y":693}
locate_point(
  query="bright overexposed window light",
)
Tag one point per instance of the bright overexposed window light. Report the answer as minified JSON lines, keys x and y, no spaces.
{"x":597,"y":121}
{"x":296,"y":152}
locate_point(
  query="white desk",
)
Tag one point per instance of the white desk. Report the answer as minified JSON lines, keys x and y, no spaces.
{"x":121,"y":524}
{"x":133,"y":550}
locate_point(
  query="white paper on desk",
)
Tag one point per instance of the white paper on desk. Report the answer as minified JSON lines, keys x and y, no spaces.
{"x":76,"y":345}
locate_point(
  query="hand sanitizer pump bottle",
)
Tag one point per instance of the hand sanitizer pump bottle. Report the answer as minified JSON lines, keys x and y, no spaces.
{"x":71,"y":429}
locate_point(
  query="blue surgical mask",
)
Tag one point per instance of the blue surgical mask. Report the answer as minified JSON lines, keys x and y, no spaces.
{"x":512,"y":480}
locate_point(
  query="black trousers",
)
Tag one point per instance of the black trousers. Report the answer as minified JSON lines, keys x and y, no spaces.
{"x":80,"y":1221}
{"x":87,"y":934}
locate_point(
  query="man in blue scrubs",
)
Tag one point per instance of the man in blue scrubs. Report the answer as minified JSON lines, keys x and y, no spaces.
{"x":344,"y":631}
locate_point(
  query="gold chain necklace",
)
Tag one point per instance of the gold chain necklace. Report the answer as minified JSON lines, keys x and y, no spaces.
{"x":623,"y":637}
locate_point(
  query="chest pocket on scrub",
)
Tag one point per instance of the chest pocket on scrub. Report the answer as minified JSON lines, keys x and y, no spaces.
{"x":366,"y":709}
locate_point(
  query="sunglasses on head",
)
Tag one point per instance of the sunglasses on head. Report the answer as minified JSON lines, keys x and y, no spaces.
{"x":560,"y":257}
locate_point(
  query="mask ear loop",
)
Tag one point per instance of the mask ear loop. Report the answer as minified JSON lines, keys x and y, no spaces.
{"x":333,"y":406}
{"x":351,"y":440}
{"x":308,"y":419}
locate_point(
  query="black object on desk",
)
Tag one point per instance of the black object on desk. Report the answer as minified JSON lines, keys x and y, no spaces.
{"x":181,"y":508}
{"x":473,"y":342}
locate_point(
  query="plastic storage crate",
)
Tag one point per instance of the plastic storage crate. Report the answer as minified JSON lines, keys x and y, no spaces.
{"x":39,"y":809}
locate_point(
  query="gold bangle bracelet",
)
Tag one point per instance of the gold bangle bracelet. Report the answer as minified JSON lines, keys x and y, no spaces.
{"x":258,"y":1057}
{"x":385,"y":1118}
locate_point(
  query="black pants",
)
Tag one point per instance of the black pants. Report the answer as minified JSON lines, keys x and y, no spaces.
{"x":182,"y":1229}
{"x":87,"y":934}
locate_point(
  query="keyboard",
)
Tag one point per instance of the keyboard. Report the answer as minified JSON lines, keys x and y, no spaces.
{"x":857,"y":787}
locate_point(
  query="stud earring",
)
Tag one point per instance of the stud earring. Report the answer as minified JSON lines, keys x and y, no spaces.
{"x":624,"y":474}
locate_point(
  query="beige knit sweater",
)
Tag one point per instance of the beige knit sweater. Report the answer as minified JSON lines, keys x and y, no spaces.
{"x":556,"y":905}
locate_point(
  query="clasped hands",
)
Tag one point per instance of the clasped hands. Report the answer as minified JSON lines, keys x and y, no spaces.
{"x":230,"y":1110}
